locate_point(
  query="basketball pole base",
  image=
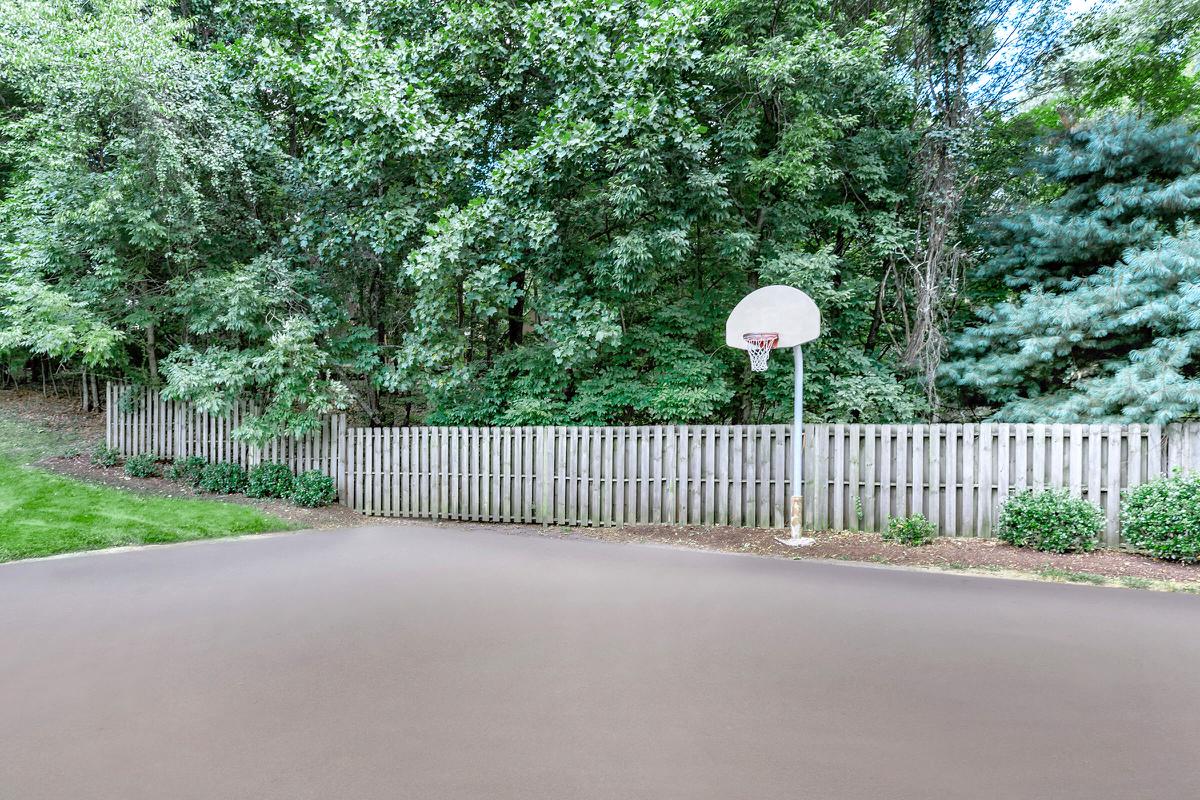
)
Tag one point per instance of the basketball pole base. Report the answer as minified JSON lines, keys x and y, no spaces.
{"x":796,"y":539}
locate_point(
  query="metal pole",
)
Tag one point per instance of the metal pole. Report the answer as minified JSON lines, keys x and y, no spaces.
{"x":798,"y":446}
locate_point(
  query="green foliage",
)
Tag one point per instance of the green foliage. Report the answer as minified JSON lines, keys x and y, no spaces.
{"x":1050,"y":520}
{"x":222,"y":478}
{"x":1162,"y":517}
{"x":136,"y":165}
{"x":520,"y":212}
{"x":105,"y":456}
{"x":313,"y":489}
{"x":522,"y":235}
{"x":186,"y":470}
{"x":1100,"y":322}
{"x":915,"y":530}
{"x":637,"y":206}
{"x":270,"y":480}
{"x":142,"y":465}
{"x":43,"y":514}
{"x":1138,"y":55}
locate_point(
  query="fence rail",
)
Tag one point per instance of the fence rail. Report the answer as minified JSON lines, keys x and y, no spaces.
{"x":856,"y":476}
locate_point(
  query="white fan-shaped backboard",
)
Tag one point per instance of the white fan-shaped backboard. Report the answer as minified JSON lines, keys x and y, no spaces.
{"x":774,"y":309}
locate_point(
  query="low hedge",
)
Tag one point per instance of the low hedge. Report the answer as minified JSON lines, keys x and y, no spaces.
{"x":1162,"y":517}
{"x":313,"y":489}
{"x":914,"y":530}
{"x":143,"y":465}
{"x":223,"y":478}
{"x":1050,"y":520}
{"x":105,"y":456}
{"x":186,"y":470}
{"x":270,"y":480}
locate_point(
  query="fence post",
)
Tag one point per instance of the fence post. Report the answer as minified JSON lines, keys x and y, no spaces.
{"x":1192,"y":451}
{"x":543,"y":473}
{"x":109,"y":413}
{"x":178,"y":408}
{"x":339,"y":432}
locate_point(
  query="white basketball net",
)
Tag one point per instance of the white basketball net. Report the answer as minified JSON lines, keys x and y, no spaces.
{"x":761,"y":345}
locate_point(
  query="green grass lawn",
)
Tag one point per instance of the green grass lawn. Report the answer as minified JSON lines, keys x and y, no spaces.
{"x":45,"y":514}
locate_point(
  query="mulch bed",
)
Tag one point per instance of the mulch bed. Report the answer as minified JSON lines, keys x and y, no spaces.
{"x":946,"y":553}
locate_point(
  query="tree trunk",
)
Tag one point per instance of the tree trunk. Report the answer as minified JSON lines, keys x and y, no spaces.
{"x":877,"y":313}
{"x":151,"y":353}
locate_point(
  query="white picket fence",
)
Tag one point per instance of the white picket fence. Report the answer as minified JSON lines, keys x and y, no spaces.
{"x":856,"y":476}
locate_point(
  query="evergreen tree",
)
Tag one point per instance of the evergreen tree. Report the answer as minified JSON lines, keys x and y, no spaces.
{"x":1103,"y":321}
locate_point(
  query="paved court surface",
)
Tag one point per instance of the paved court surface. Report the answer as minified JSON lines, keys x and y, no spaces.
{"x":435,"y":663}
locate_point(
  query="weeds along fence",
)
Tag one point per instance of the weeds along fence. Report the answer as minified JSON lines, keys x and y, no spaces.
{"x":856,"y":477}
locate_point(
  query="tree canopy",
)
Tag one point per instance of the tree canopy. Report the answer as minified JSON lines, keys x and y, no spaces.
{"x":515,"y":212}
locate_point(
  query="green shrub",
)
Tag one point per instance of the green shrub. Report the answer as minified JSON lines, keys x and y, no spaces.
{"x":312,"y":489}
{"x":270,"y":480}
{"x":105,"y":456}
{"x":186,"y":470}
{"x":1162,"y":517}
{"x":914,"y":530}
{"x":1051,"y":520}
{"x":223,"y":478}
{"x":143,"y":465}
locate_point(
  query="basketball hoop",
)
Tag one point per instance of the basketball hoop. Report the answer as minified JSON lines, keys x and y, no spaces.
{"x":793,"y":319}
{"x":761,"y":345}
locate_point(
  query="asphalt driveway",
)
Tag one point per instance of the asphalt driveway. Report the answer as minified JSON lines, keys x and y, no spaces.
{"x":436,"y":664}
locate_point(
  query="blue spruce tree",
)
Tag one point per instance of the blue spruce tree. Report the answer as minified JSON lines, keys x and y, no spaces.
{"x":1102,"y":317}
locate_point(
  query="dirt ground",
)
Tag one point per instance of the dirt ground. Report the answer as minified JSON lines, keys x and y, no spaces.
{"x":975,"y":555}
{"x":53,"y":413}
